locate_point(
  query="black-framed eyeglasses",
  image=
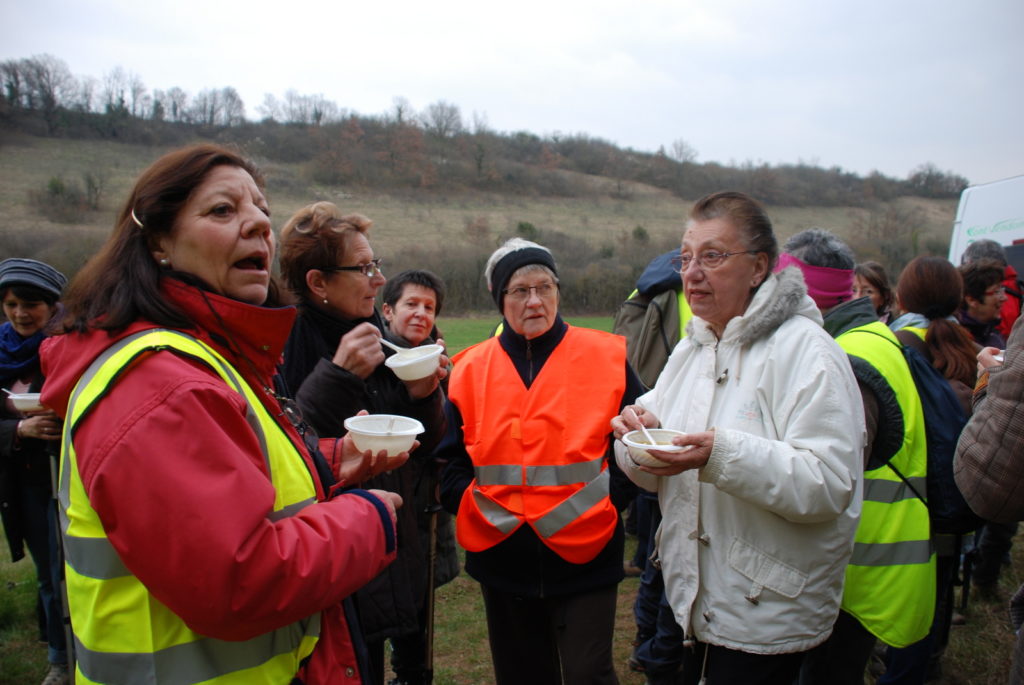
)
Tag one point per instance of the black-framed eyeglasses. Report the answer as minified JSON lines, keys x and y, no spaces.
{"x":370,"y":269}
{"x":706,"y":260}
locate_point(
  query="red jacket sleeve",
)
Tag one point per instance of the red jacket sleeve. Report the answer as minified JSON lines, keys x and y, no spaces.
{"x":177,"y":477}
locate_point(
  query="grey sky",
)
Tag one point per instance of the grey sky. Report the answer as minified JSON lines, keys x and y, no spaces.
{"x":868,"y":85}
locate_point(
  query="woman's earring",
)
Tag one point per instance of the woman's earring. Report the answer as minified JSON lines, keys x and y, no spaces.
{"x":325,"y":300}
{"x":165,"y":262}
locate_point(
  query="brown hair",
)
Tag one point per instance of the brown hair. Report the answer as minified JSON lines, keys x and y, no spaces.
{"x":746,"y":214}
{"x":121,"y":283}
{"x":979,"y":276}
{"x":932,"y":287}
{"x":874,"y":273}
{"x":316,"y":237}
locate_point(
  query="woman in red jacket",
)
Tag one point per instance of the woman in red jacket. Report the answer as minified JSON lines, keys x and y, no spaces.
{"x":206,"y":537}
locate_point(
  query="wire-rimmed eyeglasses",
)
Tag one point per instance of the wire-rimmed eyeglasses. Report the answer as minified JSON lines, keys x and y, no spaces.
{"x":522,"y":293}
{"x":370,"y":269}
{"x":706,"y":260}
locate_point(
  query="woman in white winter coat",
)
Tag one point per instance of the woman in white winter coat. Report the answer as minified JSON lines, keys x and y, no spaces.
{"x":760,"y":511}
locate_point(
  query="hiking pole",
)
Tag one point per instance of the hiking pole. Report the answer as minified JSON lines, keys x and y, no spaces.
{"x":432,"y":510}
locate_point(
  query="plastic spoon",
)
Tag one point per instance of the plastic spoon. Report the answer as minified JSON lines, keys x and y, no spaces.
{"x":650,"y":440}
{"x":400,"y":350}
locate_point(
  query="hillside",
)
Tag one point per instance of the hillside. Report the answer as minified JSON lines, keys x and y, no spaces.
{"x":602,"y":239}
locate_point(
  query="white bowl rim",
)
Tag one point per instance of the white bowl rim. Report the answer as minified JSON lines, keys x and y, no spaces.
{"x":400,"y":359}
{"x":415,"y":429}
{"x":646,"y":446}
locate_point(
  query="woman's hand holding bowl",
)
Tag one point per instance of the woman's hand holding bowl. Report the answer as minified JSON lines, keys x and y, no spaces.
{"x":989,"y":357}
{"x":685,"y":460}
{"x":422,"y":387}
{"x":359,"y":351}
{"x":356,"y":466}
{"x":44,"y":425}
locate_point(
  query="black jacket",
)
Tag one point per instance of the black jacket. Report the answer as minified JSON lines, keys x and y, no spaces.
{"x":327,"y":395}
{"x":24,"y":463}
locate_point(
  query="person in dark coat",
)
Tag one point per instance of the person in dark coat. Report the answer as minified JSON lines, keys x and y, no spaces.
{"x":333,"y":364}
{"x":30,"y":290}
{"x":412,"y":302}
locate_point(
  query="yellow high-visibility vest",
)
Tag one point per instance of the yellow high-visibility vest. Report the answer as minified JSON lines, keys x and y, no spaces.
{"x":890,"y":580}
{"x":123,"y":634}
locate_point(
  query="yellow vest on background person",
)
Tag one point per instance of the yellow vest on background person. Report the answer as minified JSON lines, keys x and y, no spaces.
{"x":122,"y":632}
{"x":539,"y":452}
{"x":890,"y":580}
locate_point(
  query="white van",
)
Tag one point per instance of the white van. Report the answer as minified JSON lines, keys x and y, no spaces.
{"x":994,"y":211}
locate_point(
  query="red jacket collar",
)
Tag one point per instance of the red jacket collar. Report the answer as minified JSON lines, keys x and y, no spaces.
{"x":258,"y":332}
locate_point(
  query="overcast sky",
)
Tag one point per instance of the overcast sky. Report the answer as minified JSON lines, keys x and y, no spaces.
{"x":876,"y":84}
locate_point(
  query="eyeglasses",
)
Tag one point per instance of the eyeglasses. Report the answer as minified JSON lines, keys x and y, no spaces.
{"x":707,"y":261}
{"x":522,"y":294}
{"x":370,"y":269}
{"x":996,"y":290}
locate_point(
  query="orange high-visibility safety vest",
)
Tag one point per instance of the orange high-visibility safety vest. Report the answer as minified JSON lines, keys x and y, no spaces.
{"x":538,"y":453}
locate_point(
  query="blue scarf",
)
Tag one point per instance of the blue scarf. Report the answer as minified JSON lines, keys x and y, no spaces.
{"x":18,"y":355}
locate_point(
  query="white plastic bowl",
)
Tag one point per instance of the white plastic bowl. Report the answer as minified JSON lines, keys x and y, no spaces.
{"x":376,"y":432}
{"x":25,"y":401}
{"x":415,"y":363}
{"x":638,"y":445}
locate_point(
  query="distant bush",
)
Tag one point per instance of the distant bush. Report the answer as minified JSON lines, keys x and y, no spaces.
{"x":62,"y":201}
{"x":527,"y":231}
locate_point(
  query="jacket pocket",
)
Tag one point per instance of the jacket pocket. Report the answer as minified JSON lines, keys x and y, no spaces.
{"x":764,"y":571}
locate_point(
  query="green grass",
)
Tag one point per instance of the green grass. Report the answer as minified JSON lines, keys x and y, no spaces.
{"x":978,"y":653}
{"x":461,"y":332}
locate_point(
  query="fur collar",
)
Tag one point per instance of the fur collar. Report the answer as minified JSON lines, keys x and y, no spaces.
{"x":781,"y":297}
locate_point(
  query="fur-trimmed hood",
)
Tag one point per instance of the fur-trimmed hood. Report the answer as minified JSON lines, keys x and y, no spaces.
{"x":781,"y":297}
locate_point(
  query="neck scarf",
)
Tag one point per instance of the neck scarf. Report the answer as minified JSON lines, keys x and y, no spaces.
{"x":18,"y":355}
{"x":827,"y":287}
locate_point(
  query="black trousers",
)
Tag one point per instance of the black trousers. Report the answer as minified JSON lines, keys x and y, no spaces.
{"x":552,"y":640}
{"x":842,"y":658}
{"x":721,"y":666}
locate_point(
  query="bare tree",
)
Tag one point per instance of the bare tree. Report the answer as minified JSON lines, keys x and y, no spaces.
{"x":84,"y":99}
{"x":13,"y":80}
{"x":402,"y":110}
{"x":176,"y":104}
{"x":206,"y":107}
{"x":50,"y":82}
{"x":115,"y":90}
{"x":270,"y":110}
{"x":682,"y":151}
{"x":232,"y":107}
{"x":442,"y":120}
{"x":136,"y":94}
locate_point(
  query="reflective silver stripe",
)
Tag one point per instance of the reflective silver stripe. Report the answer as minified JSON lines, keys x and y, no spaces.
{"x":565,"y":474}
{"x":92,"y":557}
{"x":891,"y":553}
{"x":290,"y":510}
{"x":499,"y":474}
{"x":573,"y":507}
{"x":889,"y":491}
{"x":193,"y":662}
{"x":96,"y":557}
{"x":497,"y":515}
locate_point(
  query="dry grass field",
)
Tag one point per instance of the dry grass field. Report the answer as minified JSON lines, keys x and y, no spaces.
{"x":406,"y":220}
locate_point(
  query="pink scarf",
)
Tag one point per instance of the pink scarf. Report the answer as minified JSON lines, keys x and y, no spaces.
{"x":827,"y":287}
